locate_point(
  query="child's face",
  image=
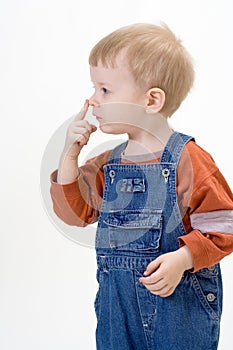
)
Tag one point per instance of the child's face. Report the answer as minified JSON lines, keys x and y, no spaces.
{"x":117,"y":99}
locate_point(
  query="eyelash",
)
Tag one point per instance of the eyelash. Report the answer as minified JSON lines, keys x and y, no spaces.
{"x":106,"y":91}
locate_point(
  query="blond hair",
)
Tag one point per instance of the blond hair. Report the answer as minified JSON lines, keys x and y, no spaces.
{"x":155,"y":57}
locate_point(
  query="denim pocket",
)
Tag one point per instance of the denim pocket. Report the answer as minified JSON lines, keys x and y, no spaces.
{"x":135,"y":229}
{"x":207,"y":284}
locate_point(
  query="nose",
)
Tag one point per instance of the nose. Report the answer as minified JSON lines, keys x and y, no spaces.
{"x":93,"y":101}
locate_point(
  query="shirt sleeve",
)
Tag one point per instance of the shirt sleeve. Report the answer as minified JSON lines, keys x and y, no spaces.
{"x":79,"y":202}
{"x":206,"y":202}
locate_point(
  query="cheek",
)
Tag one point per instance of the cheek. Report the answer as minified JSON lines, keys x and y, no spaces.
{"x":131,"y":94}
{"x":140,"y":100}
{"x":119,"y":111}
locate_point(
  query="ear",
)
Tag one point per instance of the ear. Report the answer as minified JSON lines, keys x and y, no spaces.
{"x":156,"y":100}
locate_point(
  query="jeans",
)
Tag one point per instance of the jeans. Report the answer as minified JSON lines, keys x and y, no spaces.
{"x":140,"y":220}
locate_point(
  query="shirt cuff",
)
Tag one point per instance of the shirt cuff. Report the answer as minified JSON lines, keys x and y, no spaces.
{"x":71,"y":190}
{"x":194,"y":241}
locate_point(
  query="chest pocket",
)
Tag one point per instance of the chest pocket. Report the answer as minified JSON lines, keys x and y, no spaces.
{"x":135,"y":230}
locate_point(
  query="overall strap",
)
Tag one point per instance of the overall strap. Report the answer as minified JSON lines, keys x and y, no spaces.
{"x":115,"y":155}
{"x":171,"y":152}
{"x":174,"y":147}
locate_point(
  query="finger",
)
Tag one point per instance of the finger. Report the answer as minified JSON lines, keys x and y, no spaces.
{"x":80,"y":129}
{"x":162,"y":290}
{"x":151,"y":267}
{"x":84,"y":131}
{"x":88,"y":133}
{"x":80,"y":135}
{"x":157,"y":286}
{"x":82,"y":124}
{"x":165,"y":293}
{"x":83,"y":140}
{"x":153,"y":289}
{"x":93,"y":128}
{"x":151,"y":280}
{"x":76,"y":133}
{"x":81,"y":115}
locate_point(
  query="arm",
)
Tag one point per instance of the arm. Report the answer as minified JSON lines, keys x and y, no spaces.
{"x":211,"y":219}
{"x":65,"y":189}
{"x":78,"y":203}
{"x":207,"y":208}
{"x":77,"y":136}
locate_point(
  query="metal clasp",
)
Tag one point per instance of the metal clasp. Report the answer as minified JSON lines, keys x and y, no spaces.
{"x":166,"y":173}
{"x":112,"y":175}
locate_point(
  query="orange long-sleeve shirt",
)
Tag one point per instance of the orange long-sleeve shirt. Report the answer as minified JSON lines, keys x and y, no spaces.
{"x":204,"y":197}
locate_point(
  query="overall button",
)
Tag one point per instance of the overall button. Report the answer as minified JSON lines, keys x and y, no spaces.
{"x":210,"y":297}
{"x":165,"y":173}
{"x":112,"y":174}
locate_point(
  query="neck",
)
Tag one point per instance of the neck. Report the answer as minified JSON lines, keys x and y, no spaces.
{"x":150,"y":138}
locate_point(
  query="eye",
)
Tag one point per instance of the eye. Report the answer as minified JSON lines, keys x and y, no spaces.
{"x":106,"y":91}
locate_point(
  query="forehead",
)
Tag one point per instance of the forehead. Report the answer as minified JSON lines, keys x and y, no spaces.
{"x":102,"y":73}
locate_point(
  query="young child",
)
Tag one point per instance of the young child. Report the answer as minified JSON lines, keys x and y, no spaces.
{"x":164,"y":210}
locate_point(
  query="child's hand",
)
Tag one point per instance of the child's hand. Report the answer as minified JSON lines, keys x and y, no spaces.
{"x":163,"y":274}
{"x":78,"y":133}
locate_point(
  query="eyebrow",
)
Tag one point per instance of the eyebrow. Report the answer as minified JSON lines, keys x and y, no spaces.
{"x":100,"y":83}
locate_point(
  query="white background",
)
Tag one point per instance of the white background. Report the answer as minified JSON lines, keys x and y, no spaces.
{"x":47,"y":282}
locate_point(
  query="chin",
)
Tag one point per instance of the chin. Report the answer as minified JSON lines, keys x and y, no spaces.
{"x":111,"y":129}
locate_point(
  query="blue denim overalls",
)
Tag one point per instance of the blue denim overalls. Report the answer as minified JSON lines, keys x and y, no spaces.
{"x":140,"y":220}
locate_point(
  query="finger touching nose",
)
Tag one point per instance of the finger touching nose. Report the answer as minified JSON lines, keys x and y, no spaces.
{"x":93,"y":101}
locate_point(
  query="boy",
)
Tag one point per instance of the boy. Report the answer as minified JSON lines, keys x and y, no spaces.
{"x":164,"y":210}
